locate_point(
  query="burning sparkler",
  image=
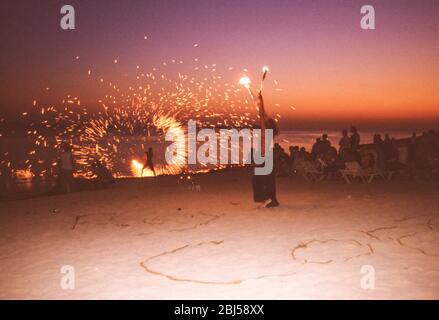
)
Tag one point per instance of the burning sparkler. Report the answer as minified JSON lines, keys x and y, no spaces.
{"x":246,"y":83}
{"x":265,"y":71}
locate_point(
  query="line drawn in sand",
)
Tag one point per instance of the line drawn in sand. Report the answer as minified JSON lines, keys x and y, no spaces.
{"x":100,"y":219}
{"x":182,"y":219}
{"x":406,"y":232}
{"x":344,"y":246}
{"x":422,"y":251}
{"x":148,"y":269}
{"x":371,"y":233}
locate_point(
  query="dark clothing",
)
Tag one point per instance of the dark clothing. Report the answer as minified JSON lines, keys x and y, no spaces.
{"x":149,"y":156}
{"x":149,"y":164}
{"x":270,"y":186}
{"x":355,"y":141}
{"x":264,"y":187}
{"x":259,"y":190}
{"x":326,"y":145}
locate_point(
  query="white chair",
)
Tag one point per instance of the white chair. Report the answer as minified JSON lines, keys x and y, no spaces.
{"x":353,"y":171}
{"x":309,"y":171}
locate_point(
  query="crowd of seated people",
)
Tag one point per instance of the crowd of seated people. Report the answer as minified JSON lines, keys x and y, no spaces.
{"x":423,"y":155}
{"x":416,"y":158}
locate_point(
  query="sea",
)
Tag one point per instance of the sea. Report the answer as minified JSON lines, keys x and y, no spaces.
{"x":15,"y":149}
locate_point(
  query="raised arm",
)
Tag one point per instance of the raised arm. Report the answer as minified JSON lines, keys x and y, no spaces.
{"x":262,"y":115}
{"x":262,"y":121}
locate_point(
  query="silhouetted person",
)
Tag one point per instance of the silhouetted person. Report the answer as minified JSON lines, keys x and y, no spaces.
{"x":303,"y":154}
{"x":149,"y":163}
{"x":378,"y":145}
{"x":283,"y":160}
{"x":345,"y":143}
{"x":66,"y":165}
{"x":326,"y":144}
{"x":355,"y":138}
{"x":294,"y":153}
{"x":390,"y":150}
{"x":264,"y":186}
{"x":332,"y":164}
{"x":316,"y":148}
{"x":355,"y":144}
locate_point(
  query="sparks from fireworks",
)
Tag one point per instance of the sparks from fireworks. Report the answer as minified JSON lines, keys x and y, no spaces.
{"x":155,"y":103}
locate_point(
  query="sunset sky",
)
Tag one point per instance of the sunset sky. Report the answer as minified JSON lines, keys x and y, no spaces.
{"x":328,"y":67}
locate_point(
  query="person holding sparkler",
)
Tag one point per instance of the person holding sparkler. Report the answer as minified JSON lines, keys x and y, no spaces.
{"x":268,"y":182}
{"x":264,"y":187}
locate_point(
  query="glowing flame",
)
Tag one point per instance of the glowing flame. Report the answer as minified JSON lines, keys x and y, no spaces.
{"x":265,"y":69}
{"x":136,"y":169}
{"x":24,"y":174}
{"x":173,"y":129}
{"x":245,"y":81}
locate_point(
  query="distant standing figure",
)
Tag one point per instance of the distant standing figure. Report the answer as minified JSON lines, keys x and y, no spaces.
{"x":316,"y":148}
{"x":66,"y":169}
{"x":294,"y":152}
{"x":149,"y":163}
{"x":378,"y":145}
{"x":345,"y":142}
{"x":355,"y":139}
{"x":326,"y":144}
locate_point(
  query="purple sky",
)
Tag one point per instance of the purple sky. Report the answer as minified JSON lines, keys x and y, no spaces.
{"x":327,"y":65}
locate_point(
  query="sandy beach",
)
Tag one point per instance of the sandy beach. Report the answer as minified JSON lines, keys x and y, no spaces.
{"x":154,"y":238}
